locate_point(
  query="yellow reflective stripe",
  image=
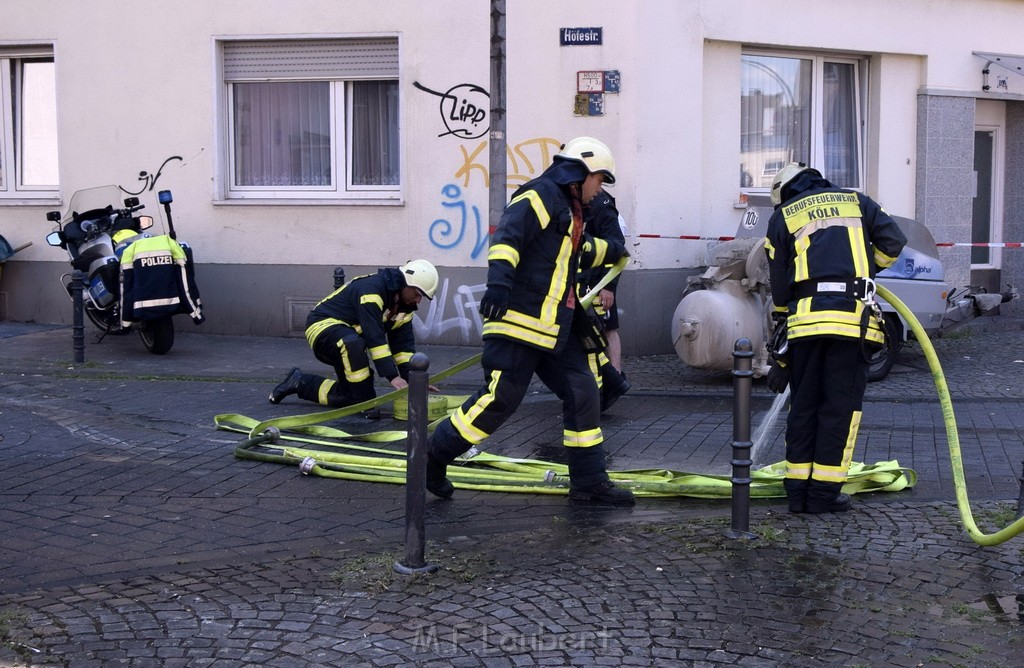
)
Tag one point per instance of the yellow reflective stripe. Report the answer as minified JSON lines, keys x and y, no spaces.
{"x":402,"y":358}
{"x":851,"y":440}
{"x":503,"y":252}
{"x":323,"y":390}
{"x":829,"y":473}
{"x":358,"y":375}
{"x":462,"y":420}
{"x":883,"y":260}
{"x":834,"y":329}
{"x":524,"y":320}
{"x":582,"y":439}
{"x":372,"y":299}
{"x":379,"y":352}
{"x":600,"y":250}
{"x":510,"y":330}
{"x":798,"y":470}
{"x":594,"y":362}
{"x":351,"y":375}
{"x":543,"y":218}
{"x":769,"y":249}
{"x":400,"y":320}
{"x":801,"y":272}
{"x":318,"y":327}
{"x":859,"y":250}
{"x":806,"y":322}
{"x":559,"y":282}
{"x":823,"y":206}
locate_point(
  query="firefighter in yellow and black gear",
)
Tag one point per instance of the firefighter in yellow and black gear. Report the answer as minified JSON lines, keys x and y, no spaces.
{"x":824,"y":246}
{"x":534,"y":323}
{"x":368,"y":318}
{"x":602,"y":219}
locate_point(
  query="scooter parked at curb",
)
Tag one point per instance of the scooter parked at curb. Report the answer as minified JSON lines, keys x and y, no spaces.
{"x":133,"y":281}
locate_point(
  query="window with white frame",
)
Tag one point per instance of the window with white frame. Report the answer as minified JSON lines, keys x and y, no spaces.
{"x":800,"y":107}
{"x":312,"y":119}
{"x":28,"y":123}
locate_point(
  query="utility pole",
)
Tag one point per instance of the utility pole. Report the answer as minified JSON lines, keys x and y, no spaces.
{"x":498,"y":161}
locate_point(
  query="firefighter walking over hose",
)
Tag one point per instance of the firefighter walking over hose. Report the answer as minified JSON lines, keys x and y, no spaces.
{"x":534,"y":322}
{"x":368,"y":318}
{"x":824,"y":246}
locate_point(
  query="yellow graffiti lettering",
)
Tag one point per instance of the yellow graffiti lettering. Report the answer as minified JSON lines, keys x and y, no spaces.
{"x":525,"y":161}
{"x":468,"y":166}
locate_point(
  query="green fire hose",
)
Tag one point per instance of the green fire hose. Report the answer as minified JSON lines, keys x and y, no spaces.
{"x":362,"y":460}
{"x":952,"y":436}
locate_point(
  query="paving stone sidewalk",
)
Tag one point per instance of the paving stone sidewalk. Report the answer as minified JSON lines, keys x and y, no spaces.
{"x":133,"y":537}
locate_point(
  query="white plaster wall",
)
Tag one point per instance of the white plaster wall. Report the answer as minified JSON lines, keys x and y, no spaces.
{"x":137,"y":84}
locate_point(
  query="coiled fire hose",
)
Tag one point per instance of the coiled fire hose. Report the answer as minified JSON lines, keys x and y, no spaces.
{"x":956,"y":460}
{"x":487,"y":472}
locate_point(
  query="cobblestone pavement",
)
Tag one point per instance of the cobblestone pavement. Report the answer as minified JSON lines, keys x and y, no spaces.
{"x":133,"y":537}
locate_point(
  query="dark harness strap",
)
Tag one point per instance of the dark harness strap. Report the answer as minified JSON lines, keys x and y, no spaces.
{"x":856,"y":288}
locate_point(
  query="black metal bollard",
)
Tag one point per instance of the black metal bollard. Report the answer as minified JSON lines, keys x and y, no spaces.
{"x":742,"y":375}
{"x":416,"y":471}
{"x":78,"y":316}
{"x":339,"y":277}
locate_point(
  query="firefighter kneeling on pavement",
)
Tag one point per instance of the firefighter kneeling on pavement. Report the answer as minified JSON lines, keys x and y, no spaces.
{"x":534,"y":323}
{"x":368,"y":318}
{"x":824,"y":246}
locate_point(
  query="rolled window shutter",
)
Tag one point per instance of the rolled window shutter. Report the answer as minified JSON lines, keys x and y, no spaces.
{"x":269,"y":60}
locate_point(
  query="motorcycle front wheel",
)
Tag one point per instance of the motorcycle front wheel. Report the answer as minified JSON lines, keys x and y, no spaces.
{"x":157,"y":335}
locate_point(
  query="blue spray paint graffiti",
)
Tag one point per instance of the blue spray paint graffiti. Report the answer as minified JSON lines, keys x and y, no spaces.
{"x":443,"y":233}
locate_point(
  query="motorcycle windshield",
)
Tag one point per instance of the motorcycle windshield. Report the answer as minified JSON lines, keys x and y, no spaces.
{"x":94,"y":198}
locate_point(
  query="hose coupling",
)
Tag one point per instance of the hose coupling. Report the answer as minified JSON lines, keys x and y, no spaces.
{"x":307,"y":465}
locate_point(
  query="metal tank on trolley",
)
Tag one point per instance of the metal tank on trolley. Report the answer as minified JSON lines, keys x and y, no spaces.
{"x":732,"y":298}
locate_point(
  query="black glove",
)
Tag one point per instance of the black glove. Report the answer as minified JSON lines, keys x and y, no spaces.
{"x":495,"y":302}
{"x":778,"y":378}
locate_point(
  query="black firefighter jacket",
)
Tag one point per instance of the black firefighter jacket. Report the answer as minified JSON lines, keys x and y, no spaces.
{"x":364,"y":304}
{"x":533,"y":252}
{"x":824,"y":236}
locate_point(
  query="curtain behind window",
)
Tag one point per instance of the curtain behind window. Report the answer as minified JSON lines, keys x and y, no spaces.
{"x":375,"y":154}
{"x":840,"y":126}
{"x":35,"y":99}
{"x":282,"y":134}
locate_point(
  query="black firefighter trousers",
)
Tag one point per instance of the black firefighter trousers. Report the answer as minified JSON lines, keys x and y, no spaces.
{"x":343,"y":349}
{"x":508,"y":370}
{"x":828,"y":381}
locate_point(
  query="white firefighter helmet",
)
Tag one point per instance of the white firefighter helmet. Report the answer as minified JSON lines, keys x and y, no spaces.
{"x":594,"y":154}
{"x":785,"y":175}
{"x":421,"y":275}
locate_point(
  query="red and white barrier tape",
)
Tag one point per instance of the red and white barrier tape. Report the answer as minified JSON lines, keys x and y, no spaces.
{"x":981,"y":245}
{"x":944,"y":244}
{"x":688,"y":237}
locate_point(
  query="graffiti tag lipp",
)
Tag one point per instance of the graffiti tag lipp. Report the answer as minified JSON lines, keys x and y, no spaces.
{"x":464,"y":110}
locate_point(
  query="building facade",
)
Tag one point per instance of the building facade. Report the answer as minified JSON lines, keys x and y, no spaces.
{"x":303,"y":136}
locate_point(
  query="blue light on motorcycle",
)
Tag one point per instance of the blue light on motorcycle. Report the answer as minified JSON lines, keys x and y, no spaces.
{"x":165,"y":197}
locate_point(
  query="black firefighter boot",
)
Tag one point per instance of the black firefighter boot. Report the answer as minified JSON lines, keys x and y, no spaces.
{"x":290,"y":385}
{"x":444,"y":445}
{"x":613,"y":386}
{"x":826,"y":497}
{"x":796,"y":492}
{"x":589,"y":481}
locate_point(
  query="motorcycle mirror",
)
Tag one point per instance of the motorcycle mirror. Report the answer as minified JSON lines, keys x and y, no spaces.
{"x":131,"y":202}
{"x":53,"y":216}
{"x":164,"y":196}
{"x":145,"y":222}
{"x":53,"y":238}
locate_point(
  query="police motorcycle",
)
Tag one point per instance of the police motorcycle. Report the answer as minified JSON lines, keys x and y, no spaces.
{"x":133,"y":281}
